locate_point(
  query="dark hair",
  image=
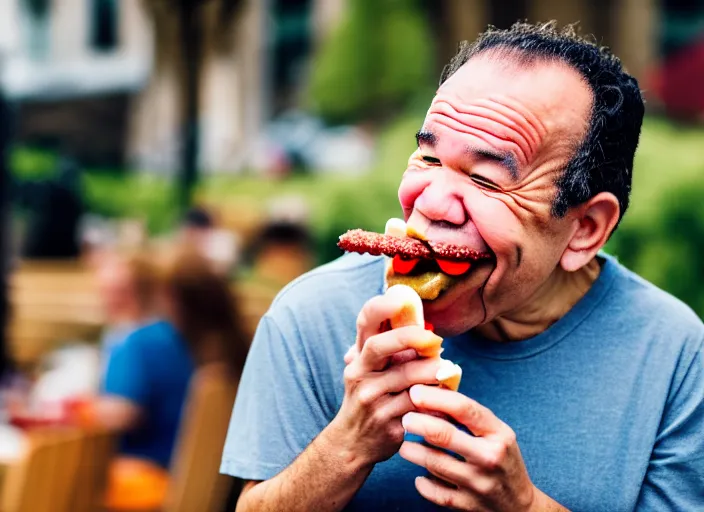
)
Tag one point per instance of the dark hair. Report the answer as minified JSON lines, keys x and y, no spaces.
{"x":281,"y":233}
{"x":198,"y":218}
{"x":603,"y":161}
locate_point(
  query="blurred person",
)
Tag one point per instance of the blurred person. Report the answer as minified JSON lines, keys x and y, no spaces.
{"x":200,"y":230}
{"x":127,"y":283}
{"x":281,"y":252}
{"x":196,"y":226}
{"x":583,"y":384}
{"x":148,"y":375}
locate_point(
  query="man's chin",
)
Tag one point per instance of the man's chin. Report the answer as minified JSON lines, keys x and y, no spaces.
{"x":460,"y":307}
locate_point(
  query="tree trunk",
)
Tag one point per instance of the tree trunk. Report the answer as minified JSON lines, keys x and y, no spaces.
{"x":191,"y":32}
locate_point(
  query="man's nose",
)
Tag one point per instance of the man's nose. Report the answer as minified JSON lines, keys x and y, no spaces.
{"x":440,"y":202}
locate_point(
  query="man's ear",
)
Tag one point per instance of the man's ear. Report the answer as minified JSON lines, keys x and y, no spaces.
{"x":595,"y":219}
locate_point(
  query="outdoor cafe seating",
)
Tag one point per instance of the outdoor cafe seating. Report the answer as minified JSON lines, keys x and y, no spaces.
{"x":57,"y":461}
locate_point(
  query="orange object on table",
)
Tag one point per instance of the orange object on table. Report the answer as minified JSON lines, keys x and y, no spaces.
{"x":135,"y":485}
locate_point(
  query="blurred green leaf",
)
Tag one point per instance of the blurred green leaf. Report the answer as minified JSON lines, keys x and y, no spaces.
{"x":375,"y":63}
{"x":32,"y":164}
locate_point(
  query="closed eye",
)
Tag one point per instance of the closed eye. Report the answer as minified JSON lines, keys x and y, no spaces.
{"x":484,"y":182}
{"x":431,"y":160}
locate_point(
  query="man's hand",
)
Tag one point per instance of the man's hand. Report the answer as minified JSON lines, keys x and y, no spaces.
{"x":377,"y":379}
{"x":491,"y":474}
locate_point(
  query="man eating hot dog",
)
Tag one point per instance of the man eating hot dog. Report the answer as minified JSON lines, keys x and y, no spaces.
{"x":582,"y":385}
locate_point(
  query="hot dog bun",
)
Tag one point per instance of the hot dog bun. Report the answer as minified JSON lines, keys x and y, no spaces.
{"x":449,"y":374}
{"x":412,"y":310}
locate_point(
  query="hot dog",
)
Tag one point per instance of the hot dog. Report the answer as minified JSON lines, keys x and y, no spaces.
{"x":428,"y":267}
{"x":411,"y":313}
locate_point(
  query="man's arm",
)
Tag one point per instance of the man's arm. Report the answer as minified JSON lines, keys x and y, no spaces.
{"x":327,"y":471}
{"x":323,"y":478}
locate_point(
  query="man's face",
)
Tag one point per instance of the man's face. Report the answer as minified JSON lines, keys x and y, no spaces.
{"x":495,"y":138}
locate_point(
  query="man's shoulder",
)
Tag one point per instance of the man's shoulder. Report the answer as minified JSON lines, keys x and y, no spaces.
{"x":639,"y":299}
{"x":351,"y":275}
{"x":331,"y":295}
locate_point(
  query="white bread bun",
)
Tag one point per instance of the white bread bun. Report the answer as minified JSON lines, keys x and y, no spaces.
{"x":449,"y":375}
{"x":411,"y":312}
{"x":395,"y":227}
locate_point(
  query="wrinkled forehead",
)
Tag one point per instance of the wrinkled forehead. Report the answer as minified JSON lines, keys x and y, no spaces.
{"x":551,"y":93}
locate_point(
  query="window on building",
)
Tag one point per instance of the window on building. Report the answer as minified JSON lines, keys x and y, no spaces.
{"x":36,"y":28}
{"x":104,"y":25}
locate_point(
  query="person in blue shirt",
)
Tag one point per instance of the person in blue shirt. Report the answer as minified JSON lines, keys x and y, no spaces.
{"x":148,"y":375}
{"x":127,"y":285}
{"x":583,"y":384}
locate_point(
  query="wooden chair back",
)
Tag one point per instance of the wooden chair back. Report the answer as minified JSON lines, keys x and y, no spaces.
{"x":196,"y":482}
{"x":51,"y":302}
{"x":97,"y":450}
{"x":44,"y":479}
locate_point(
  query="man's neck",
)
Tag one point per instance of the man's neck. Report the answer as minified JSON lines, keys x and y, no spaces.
{"x":550,"y":303}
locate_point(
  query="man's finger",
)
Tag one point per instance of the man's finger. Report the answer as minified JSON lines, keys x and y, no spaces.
{"x":404,"y":356}
{"x":445,"y":496}
{"x":477,"y":418}
{"x":401,"y":377}
{"x":396,"y":406}
{"x":396,"y":359}
{"x":442,"y":434}
{"x":441,"y":464}
{"x":374,"y":314}
{"x":352,"y":352}
{"x":379,"y":348}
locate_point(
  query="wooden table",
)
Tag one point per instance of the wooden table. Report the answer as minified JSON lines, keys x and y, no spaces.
{"x":12,"y":445}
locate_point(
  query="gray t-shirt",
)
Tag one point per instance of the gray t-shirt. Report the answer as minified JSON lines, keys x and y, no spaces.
{"x":607,"y":404}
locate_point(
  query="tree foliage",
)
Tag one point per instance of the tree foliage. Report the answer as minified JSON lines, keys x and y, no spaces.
{"x":376,"y":61}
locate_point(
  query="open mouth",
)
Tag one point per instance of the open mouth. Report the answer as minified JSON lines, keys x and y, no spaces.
{"x":430,"y":268}
{"x":430,"y":278}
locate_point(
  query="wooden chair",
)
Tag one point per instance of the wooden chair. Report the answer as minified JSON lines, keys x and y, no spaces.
{"x":44,"y":479}
{"x":97,"y":449}
{"x":51,"y":302}
{"x":196,"y":482}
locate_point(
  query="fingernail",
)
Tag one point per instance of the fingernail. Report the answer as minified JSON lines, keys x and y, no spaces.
{"x":415,"y":393}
